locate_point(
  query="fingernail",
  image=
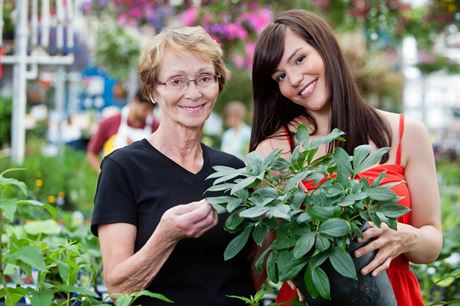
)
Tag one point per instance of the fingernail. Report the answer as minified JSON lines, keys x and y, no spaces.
{"x":357,"y":254}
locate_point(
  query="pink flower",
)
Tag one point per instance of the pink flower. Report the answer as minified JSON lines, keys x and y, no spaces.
{"x":238,"y":60}
{"x":258,"y":20}
{"x":189,"y":16}
{"x":235,"y":31}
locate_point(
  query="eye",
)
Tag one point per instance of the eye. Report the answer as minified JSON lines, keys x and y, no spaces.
{"x":177,"y":82}
{"x":300,"y":59}
{"x":280,"y":77}
{"x":205,"y":79}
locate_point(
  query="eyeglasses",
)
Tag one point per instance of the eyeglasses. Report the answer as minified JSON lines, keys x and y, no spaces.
{"x":181,"y":83}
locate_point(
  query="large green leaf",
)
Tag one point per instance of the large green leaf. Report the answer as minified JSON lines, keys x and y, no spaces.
{"x":222,"y":171}
{"x":322,"y":243}
{"x":48,"y":227}
{"x":294,"y":181}
{"x":372,"y":159}
{"x":9,"y":207}
{"x":254,"y":212}
{"x":392,"y":210}
{"x":334,"y":227}
{"x":4,"y":181}
{"x":227,"y":177}
{"x":334,"y":135}
{"x":320,"y":213}
{"x":281,"y":211}
{"x":309,"y":283}
{"x":237,"y":243}
{"x":260,"y":260}
{"x":343,"y":263}
{"x":381,"y":194}
{"x":158,"y":296}
{"x":255,"y":163}
{"x":52,"y":210}
{"x":304,"y":244}
{"x":302,"y":135}
{"x":30,"y":255}
{"x":321,"y":282}
{"x":260,"y":230}
{"x":243,"y":184}
{"x":233,"y":221}
{"x":344,"y":170}
{"x":271,"y":268}
{"x":233,"y":204}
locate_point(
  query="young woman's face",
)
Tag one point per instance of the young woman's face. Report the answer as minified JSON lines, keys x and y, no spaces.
{"x":191,"y":105}
{"x":301,"y":75}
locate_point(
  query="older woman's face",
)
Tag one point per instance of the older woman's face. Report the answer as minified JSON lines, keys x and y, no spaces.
{"x":182,"y":102}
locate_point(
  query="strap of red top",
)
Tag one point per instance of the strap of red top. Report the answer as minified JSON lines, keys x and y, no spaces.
{"x":401,"y":132}
{"x":289,"y":138}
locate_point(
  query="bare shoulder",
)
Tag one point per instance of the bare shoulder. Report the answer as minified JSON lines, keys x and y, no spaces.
{"x":274,"y":142}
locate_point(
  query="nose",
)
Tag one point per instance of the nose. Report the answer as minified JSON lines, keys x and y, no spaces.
{"x":192,"y":91}
{"x":295,"y":78}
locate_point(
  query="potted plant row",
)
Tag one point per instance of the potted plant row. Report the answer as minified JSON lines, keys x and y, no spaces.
{"x":316,"y":229}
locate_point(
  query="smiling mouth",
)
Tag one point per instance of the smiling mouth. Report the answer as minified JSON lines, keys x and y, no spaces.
{"x":308,"y":89}
{"x":193,"y":108}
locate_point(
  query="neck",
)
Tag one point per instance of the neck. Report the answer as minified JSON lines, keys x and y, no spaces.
{"x":180,"y":144}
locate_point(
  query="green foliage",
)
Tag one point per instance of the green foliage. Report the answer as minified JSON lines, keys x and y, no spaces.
{"x":311,"y":226}
{"x":53,"y":259}
{"x":6,"y":111}
{"x":252,"y":300}
{"x":117,"y":50}
{"x":440,"y":280}
{"x":129,"y":299}
{"x":66,"y":180}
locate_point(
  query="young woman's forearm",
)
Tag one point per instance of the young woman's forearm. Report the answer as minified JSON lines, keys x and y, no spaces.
{"x":423,"y":244}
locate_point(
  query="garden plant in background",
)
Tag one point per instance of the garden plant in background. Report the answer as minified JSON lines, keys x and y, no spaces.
{"x":46,"y":262}
{"x":315,"y":229}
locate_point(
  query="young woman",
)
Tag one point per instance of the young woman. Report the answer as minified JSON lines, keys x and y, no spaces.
{"x":300,"y":76}
{"x":155,"y":228}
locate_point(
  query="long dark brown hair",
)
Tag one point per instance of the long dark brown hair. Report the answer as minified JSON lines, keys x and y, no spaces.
{"x":349,"y":111}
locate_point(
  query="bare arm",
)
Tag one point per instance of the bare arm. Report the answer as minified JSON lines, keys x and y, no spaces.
{"x":421,"y":177}
{"x":125,"y":271}
{"x":93,"y":160}
{"x":420,"y":241}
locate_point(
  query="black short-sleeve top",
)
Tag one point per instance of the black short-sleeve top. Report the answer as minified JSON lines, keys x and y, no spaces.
{"x":137,"y":185}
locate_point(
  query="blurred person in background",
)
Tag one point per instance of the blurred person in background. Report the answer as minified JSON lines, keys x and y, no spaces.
{"x":235,"y":139}
{"x":134,"y":122}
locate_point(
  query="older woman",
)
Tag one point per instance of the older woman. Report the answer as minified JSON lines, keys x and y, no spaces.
{"x":155,"y":228}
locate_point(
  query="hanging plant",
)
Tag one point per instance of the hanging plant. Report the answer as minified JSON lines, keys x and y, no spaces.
{"x":117,"y":50}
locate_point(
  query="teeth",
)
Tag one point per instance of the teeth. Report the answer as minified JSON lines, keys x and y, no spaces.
{"x":192,"y":108}
{"x":308,"y":88}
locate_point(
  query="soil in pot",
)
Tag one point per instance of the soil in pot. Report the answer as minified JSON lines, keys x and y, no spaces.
{"x":366,"y":290}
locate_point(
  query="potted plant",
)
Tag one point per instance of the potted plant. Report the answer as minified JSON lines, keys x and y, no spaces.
{"x":316,"y":229}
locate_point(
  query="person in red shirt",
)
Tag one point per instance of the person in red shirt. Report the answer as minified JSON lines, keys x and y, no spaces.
{"x":134,"y":122}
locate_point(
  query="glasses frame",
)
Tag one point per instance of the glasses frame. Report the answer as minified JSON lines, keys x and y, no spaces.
{"x":216,"y":77}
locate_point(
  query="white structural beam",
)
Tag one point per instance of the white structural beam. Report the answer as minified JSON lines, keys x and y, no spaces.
{"x":18,"y":132}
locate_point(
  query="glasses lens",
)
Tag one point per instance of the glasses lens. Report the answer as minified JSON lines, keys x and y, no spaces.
{"x":177,"y":83}
{"x":205,"y":80}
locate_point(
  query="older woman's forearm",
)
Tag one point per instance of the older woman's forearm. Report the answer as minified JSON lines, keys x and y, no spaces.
{"x":138,"y":271}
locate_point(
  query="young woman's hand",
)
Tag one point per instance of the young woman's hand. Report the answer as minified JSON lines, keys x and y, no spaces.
{"x":388,"y":243}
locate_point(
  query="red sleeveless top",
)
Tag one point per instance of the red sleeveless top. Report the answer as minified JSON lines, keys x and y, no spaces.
{"x":405,"y":284}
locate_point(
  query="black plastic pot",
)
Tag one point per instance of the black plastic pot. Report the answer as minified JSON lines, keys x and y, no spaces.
{"x":366,"y":290}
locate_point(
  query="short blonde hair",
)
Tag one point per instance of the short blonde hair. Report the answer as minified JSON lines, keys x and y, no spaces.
{"x":186,"y":39}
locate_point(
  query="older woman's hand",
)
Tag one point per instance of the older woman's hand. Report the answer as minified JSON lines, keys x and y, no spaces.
{"x":188,"y":220}
{"x":388,"y":243}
